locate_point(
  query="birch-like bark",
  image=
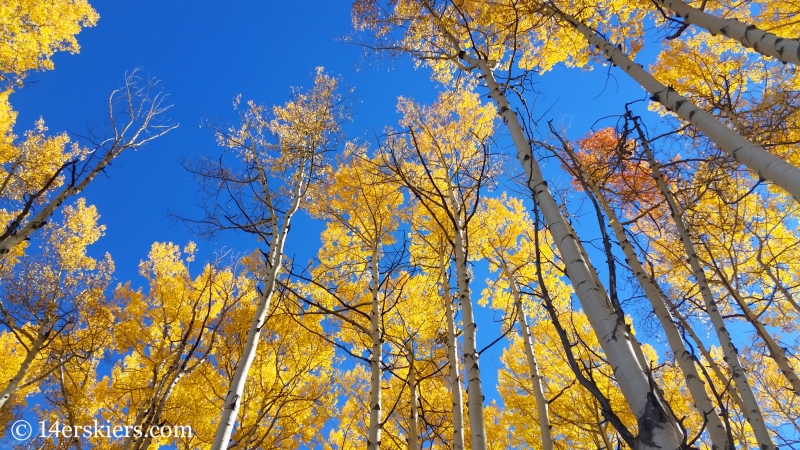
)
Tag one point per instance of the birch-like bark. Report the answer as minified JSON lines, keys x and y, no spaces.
{"x":533,"y":367}
{"x":778,"y":283}
{"x":452,"y":357}
{"x":142,"y":107}
{"x":413,"y":431}
{"x":655,"y":427}
{"x":159,"y":411}
{"x":613,"y":303}
{"x":776,"y":352}
{"x":752,"y":410}
{"x":703,"y":403}
{"x":374,"y":433}
{"x":474,"y":389}
{"x":754,"y":157}
{"x":656,"y":430}
{"x":22,"y":233}
{"x":22,"y":372}
{"x":784,"y":49}
{"x":234,"y":396}
{"x":723,"y":379}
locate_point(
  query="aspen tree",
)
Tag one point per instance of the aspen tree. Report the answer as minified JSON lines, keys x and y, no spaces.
{"x":48,"y":300}
{"x":166,"y":334}
{"x":752,"y":410}
{"x":282,"y":151}
{"x":505,"y":225}
{"x":457,"y":399}
{"x":751,"y":155}
{"x":32,"y":31}
{"x":42,"y":173}
{"x":686,"y":362}
{"x":581,"y":410}
{"x":785,"y":49}
{"x":417,"y":331}
{"x":291,"y":390}
{"x":732,"y":222}
{"x":413,"y":373}
{"x":438,"y":32}
{"x":776,"y":351}
{"x":413,"y":431}
{"x":444,"y":163}
{"x":357,"y":262}
{"x":430,"y":249}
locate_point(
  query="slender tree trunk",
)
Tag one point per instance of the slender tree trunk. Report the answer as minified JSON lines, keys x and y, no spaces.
{"x":72,"y":440}
{"x":374,"y":433}
{"x":766,"y":43}
{"x":413,"y":431}
{"x":452,"y":356}
{"x":149,"y":414}
{"x":754,"y":157}
{"x":613,"y":303}
{"x":22,"y":372}
{"x":234,"y":395}
{"x":655,"y":427}
{"x":144,"y":411}
{"x":233,"y":398}
{"x":752,"y":410}
{"x":474,"y":389}
{"x":156,"y":418}
{"x":716,"y":429}
{"x":776,"y":352}
{"x":533,"y":367}
{"x":604,"y":434}
{"x":723,"y":379}
{"x":778,"y":284}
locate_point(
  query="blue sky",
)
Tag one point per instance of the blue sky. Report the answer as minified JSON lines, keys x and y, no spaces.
{"x":208,"y":51}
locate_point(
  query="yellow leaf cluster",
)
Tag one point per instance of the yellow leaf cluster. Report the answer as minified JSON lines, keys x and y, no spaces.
{"x":33,"y":30}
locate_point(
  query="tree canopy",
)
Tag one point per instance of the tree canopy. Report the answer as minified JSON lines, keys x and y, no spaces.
{"x":473,"y":272}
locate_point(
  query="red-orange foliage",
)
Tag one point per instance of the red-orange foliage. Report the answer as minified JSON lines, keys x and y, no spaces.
{"x":610,"y":160}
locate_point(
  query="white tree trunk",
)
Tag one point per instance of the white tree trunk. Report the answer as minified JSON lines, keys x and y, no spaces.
{"x":778,"y":283}
{"x":374,"y":433}
{"x":159,"y":411}
{"x":474,"y":389}
{"x":723,"y":379}
{"x":754,"y":157}
{"x":40,"y":219}
{"x":752,"y":410}
{"x":533,"y":367}
{"x":452,"y":357}
{"x":716,"y":429}
{"x":22,"y":372}
{"x":233,"y":398}
{"x":768,"y":44}
{"x":656,"y":430}
{"x":777,"y":353}
{"x":637,"y":347}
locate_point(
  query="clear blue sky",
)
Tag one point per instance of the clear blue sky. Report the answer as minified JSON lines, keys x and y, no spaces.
{"x":208,"y":51}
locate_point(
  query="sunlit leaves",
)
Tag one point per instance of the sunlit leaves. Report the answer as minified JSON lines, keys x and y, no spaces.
{"x":33,"y":30}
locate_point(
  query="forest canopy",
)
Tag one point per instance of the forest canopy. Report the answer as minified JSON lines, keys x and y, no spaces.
{"x":446,"y":256}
